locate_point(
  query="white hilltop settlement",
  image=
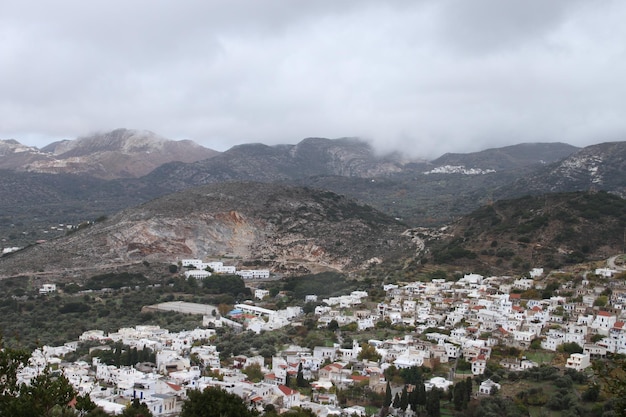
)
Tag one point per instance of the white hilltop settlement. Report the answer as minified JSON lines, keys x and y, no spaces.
{"x":444,"y":321}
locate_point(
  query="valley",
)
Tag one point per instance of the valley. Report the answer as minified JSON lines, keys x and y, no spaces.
{"x":473,"y":281}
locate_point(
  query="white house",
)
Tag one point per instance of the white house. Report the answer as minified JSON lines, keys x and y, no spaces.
{"x":197,"y":274}
{"x":253,"y":273}
{"x":47,"y":289}
{"x":487,"y":387}
{"x":479,"y":364}
{"x":261,"y":294}
{"x":578,"y":361}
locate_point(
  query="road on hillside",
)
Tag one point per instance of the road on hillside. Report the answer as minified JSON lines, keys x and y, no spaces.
{"x":611,"y":263}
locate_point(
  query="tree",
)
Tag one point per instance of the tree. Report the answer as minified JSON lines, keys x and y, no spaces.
{"x":46,"y":395}
{"x":468,"y":389}
{"x":613,"y":376}
{"x":432,"y":403}
{"x":404,"y":399}
{"x":300,"y":381}
{"x":396,"y":400}
{"x":254,"y":372}
{"x":368,"y":352}
{"x":223,"y":309}
{"x":388,"y":397}
{"x":136,"y":409}
{"x":214,"y":402}
{"x":459,"y":396}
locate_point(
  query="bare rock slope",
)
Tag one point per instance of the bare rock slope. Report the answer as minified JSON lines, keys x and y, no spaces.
{"x":284,"y":228}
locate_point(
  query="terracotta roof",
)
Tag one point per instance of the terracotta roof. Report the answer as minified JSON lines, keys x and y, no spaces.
{"x":619,"y":325}
{"x":515,"y":296}
{"x":174,"y":386}
{"x":286,"y":390}
{"x":604,"y":313}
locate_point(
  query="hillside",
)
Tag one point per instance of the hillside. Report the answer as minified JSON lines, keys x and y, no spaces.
{"x":313,"y":156}
{"x":509,"y":157}
{"x":419,"y":193}
{"x":550,"y":231}
{"x":285,"y":228}
{"x":407,"y":189}
{"x":596,"y":167}
{"x":121,"y":153}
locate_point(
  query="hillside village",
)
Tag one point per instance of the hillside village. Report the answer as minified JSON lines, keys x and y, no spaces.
{"x":448,"y":323}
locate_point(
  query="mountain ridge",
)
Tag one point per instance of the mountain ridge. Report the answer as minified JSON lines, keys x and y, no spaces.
{"x":286,"y":228}
{"x":121,"y":153}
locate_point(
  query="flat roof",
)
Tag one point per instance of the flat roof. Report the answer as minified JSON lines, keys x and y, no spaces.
{"x":184,"y":307}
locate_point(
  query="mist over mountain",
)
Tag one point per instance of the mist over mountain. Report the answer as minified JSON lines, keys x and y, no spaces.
{"x":121,"y":153}
{"x":419,"y":193}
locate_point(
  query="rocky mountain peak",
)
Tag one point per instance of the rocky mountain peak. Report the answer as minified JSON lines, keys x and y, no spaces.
{"x":121,"y":153}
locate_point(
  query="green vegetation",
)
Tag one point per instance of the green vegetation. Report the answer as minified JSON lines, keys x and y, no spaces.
{"x":324,"y":285}
{"x":48,"y":394}
{"x":115,"y":281}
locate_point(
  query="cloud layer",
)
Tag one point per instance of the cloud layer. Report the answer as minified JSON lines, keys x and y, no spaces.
{"x":423,"y":77}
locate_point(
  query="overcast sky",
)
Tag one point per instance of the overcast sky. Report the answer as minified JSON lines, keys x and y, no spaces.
{"x":420,"y":76}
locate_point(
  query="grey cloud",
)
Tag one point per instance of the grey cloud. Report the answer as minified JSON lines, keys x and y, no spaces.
{"x":424,"y":77}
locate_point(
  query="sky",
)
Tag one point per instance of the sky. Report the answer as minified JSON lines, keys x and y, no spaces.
{"x":422,"y":77}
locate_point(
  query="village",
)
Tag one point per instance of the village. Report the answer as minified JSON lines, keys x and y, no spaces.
{"x":449,"y":324}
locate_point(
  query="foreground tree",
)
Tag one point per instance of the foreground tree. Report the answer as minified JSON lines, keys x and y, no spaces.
{"x":136,"y":409}
{"x":613,"y":376}
{"x":215,"y":402}
{"x":47,"y":394}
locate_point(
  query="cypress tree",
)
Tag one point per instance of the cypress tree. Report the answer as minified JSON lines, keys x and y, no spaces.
{"x":388,"y":397}
{"x":404,"y":399}
{"x":396,"y":400}
{"x":432,"y":403}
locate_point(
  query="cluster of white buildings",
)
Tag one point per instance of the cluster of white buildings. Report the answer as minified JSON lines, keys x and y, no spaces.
{"x":463,"y":319}
{"x":202,"y":270}
{"x":467,"y":318}
{"x":161,"y":386}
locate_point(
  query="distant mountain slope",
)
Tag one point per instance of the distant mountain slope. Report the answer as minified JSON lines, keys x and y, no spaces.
{"x":509,"y":157}
{"x":550,"y":230}
{"x":596,"y":167}
{"x":121,"y":153}
{"x":286,"y":228}
{"x":258,"y":162}
{"x":392,"y":184}
{"x":397,"y":186}
{"x":14,"y":155}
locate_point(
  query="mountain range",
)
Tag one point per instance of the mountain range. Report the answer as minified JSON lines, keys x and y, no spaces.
{"x":121,"y":153}
{"x":98,"y":176}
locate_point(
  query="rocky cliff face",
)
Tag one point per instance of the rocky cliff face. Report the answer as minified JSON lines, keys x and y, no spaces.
{"x":14,"y":155}
{"x":284,"y":228}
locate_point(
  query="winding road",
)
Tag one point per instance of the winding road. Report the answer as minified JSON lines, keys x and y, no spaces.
{"x":611,"y":263}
